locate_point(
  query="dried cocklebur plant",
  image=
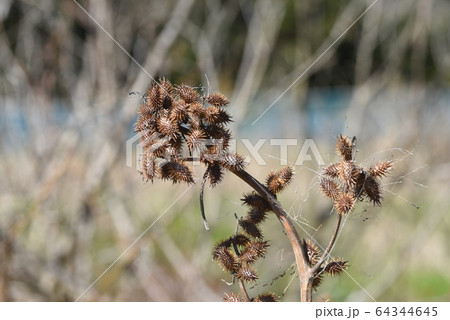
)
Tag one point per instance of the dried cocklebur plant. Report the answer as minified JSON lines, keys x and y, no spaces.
{"x":178,"y":126}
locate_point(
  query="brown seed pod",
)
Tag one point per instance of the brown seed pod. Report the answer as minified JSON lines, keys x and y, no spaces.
{"x":148,"y":138}
{"x":145,"y":111}
{"x":233,"y":162}
{"x":224,"y":140}
{"x":256,"y":201}
{"x":154,"y":97}
{"x":217,"y":99}
{"x":217,"y":131}
{"x":372,"y":189}
{"x":247,"y":274}
{"x":266,"y":297}
{"x":166,"y":87}
{"x":176,"y":142}
{"x":145,"y":125}
{"x":278,"y":180}
{"x":345,"y":203}
{"x":195,"y":109}
{"x":187,"y":93}
{"x":358,"y":190}
{"x":317,"y":279}
{"x":168,"y":127}
{"x":344,"y":148}
{"x":195,"y":139}
{"x":250,"y":228}
{"x":380,"y":169}
{"x":240,"y":239}
{"x":141,"y":125}
{"x":312,"y":251}
{"x":215,"y":174}
{"x":336,"y":267}
{"x":178,"y":113}
{"x":181,"y":173}
{"x":258,"y":248}
{"x":330,"y":189}
{"x":167,"y":92}
{"x":253,"y":251}
{"x":176,"y":171}
{"x":226,"y":259}
{"x":248,"y":256}
{"x":222,"y":117}
{"x":148,"y":166}
{"x":164,"y":171}
{"x":211,"y":114}
{"x":348,"y":172}
{"x":332,"y":170}
{"x":224,"y":243}
{"x":256,"y":216}
{"x":157,"y":147}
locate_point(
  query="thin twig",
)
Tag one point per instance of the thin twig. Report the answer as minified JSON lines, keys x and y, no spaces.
{"x":327,"y":251}
{"x":236,"y":249}
{"x":244,"y":291}
{"x":202,"y":207}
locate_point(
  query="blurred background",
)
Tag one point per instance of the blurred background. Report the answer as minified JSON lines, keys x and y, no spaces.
{"x":72,"y":207}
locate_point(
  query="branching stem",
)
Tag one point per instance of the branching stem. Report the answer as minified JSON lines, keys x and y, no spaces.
{"x":306,"y":273}
{"x":299,"y":252}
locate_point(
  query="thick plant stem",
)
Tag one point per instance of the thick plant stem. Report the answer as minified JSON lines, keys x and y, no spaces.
{"x":299,"y":252}
{"x":306,"y":282}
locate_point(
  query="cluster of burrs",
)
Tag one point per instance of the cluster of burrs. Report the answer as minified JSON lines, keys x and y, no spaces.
{"x":346,"y":183}
{"x":174,"y":123}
